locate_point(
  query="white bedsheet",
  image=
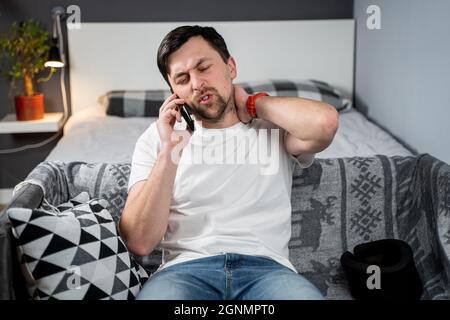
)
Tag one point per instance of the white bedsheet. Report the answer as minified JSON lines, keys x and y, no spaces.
{"x":94,"y":137}
{"x":357,"y":136}
{"x":91,"y":136}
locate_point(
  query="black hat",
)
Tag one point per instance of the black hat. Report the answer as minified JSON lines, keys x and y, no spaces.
{"x":393,"y":260}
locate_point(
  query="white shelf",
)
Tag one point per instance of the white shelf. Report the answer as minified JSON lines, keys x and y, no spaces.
{"x":51,"y":122}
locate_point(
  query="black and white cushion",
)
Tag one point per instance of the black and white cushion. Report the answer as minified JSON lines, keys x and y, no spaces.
{"x":308,"y":89}
{"x":146,"y":103}
{"x":74,"y":254}
{"x":134,"y":103}
{"x":106,"y":181}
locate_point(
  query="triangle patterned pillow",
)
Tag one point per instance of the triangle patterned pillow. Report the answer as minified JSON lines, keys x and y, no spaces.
{"x":74,"y":254}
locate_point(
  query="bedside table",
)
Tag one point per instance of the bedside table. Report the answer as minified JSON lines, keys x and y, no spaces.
{"x":51,"y":122}
{"x":15,"y":167}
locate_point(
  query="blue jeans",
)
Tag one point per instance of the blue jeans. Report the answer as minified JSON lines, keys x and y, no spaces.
{"x":229,"y":276}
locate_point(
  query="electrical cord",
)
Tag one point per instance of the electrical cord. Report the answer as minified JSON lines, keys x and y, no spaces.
{"x":64,"y":97}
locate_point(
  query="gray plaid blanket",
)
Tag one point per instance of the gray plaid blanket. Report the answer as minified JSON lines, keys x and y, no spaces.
{"x":336,"y":204}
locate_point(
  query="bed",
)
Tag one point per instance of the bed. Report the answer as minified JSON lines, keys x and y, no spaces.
{"x":122,"y":56}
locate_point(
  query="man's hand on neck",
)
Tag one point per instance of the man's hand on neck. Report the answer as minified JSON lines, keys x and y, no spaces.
{"x":240,"y":98}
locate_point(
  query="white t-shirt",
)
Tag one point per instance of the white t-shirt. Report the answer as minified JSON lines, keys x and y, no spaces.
{"x":232,"y":192}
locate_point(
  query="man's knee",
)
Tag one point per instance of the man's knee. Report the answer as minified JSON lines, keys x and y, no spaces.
{"x":284,"y":285}
{"x":296,"y":287}
{"x":300,"y":293}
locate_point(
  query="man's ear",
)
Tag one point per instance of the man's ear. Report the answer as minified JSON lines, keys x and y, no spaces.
{"x":232,"y":67}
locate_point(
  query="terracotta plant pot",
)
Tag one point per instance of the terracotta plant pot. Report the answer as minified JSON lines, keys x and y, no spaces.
{"x":30,"y":108}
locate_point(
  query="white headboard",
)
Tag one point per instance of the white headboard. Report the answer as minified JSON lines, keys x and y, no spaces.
{"x":114,"y":56}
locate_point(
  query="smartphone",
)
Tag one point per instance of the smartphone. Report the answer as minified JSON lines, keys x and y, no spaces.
{"x":187,"y":117}
{"x":184,"y":111}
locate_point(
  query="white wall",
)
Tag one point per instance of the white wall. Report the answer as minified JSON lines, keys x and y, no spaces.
{"x":403,"y":71}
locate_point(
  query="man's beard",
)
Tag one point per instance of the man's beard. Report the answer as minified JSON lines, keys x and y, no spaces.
{"x":213,"y":112}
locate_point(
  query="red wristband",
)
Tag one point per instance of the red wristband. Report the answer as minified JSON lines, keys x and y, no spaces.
{"x":251,"y":101}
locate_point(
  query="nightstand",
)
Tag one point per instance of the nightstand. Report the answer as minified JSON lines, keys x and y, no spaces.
{"x":14,"y":167}
{"x":51,"y":122}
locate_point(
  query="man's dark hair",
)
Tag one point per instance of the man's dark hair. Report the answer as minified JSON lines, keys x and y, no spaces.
{"x":179,"y":36}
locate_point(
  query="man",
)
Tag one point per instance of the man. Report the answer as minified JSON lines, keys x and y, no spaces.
{"x":224,"y":226}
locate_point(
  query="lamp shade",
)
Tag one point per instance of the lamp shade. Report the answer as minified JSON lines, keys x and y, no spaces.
{"x":54,"y":57}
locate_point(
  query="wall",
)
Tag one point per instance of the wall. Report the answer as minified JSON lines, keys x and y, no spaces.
{"x":403,"y":71}
{"x":14,"y":167}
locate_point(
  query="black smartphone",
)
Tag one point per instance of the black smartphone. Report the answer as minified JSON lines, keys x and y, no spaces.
{"x":184,"y":111}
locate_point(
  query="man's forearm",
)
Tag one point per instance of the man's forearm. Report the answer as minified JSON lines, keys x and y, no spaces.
{"x":144,"y":218}
{"x":305,"y":119}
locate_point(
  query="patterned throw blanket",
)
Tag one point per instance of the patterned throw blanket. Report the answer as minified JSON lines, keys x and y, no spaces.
{"x":336,"y":204}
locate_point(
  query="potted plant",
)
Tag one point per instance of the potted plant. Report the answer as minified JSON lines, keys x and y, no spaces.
{"x":25,"y":49}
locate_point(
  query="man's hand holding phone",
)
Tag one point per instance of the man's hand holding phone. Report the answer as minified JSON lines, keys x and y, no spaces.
{"x":168,"y":114}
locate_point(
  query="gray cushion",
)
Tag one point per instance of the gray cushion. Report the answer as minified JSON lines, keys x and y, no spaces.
{"x":336,"y":204}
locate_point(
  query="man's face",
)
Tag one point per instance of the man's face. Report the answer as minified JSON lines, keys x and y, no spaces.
{"x":197,"y":71}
